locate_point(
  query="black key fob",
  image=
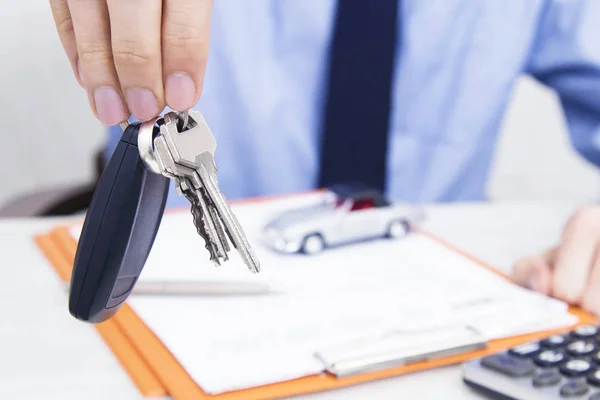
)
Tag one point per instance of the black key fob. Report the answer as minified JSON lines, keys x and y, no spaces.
{"x":119,"y":229}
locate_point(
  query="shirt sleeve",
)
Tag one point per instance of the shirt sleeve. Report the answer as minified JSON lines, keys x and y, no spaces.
{"x":566,"y":58}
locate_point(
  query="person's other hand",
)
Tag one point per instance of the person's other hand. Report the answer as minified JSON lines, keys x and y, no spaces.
{"x":571,"y":270}
{"x":134,"y":57}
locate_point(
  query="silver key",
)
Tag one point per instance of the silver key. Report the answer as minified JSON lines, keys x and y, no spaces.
{"x":189,"y":185}
{"x":201,"y":224}
{"x":166,"y":166}
{"x":184,"y":151}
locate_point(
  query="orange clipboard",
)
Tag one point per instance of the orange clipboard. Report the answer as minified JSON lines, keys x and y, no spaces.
{"x":156,"y":372}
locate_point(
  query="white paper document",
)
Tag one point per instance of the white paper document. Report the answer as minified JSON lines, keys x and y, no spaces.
{"x":340,"y":296}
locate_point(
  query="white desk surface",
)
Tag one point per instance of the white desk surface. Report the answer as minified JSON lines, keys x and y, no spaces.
{"x":45,"y":353}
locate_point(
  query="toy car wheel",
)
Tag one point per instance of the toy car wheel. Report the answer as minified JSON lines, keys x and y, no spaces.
{"x":398,"y":229}
{"x":313,"y":244}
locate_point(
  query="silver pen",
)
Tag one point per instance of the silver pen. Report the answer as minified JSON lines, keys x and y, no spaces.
{"x":392,"y":350}
{"x":190,"y":288}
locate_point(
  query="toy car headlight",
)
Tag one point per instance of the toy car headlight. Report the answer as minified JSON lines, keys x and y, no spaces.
{"x":279,"y":241}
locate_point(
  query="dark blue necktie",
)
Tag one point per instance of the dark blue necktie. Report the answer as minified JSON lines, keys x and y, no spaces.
{"x":355,"y":124}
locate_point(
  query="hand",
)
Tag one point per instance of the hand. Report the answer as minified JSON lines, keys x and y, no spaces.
{"x":135,"y":56}
{"x":571,"y":270}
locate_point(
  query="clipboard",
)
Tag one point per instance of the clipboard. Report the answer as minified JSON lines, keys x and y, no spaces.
{"x":156,"y":372}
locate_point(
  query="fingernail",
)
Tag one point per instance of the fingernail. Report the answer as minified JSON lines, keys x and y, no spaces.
{"x":109,"y":106}
{"x":142,"y":104}
{"x":180,"y":91}
{"x":79,"y":72}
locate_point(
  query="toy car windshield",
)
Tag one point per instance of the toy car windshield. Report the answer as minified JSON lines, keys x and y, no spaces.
{"x":360,"y":196}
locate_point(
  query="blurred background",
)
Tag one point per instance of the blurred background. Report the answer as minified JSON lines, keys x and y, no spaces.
{"x":51,"y":138}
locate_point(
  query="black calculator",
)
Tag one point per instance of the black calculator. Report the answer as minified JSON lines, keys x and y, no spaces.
{"x":564,"y":366}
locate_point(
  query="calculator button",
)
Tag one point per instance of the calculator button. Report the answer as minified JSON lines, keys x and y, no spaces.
{"x":596,"y":357}
{"x":554,"y":341}
{"x":525,"y":350}
{"x":581,"y":348}
{"x":575,"y":368}
{"x":549,"y":358}
{"x":546,"y":378}
{"x":585,"y":331}
{"x":594,"y":378}
{"x":573,"y":389}
{"x":511,"y":366}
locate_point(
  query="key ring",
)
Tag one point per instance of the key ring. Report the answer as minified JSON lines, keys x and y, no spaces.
{"x":184,"y":118}
{"x":146,"y":145}
{"x":146,"y":139}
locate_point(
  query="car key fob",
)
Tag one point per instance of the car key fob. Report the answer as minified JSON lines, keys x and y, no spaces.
{"x":118,"y":233}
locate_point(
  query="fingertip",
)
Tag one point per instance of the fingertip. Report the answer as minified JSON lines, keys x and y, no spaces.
{"x":180,"y":91}
{"x":522,"y":269}
{"x":108,"y":105}
{"x":542,"y":275}
{"x":533,"y":273}
{"x":142,"y":103}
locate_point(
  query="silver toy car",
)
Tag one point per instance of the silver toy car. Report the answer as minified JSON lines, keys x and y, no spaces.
{"x":348,"y":213}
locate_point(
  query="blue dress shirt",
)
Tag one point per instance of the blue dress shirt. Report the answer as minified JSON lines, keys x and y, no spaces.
{"x":455,"y":70}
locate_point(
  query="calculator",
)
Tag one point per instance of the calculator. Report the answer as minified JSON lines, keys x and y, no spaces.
{"x":563,"y":366}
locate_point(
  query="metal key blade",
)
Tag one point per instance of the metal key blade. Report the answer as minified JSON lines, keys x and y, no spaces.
{"x":189,"y":153}
{"x":234,"y":229}
{"x":219,"y":226}
{"x":203,"y":220}
{"x":210,"y":224}
{"x":200,"y":225}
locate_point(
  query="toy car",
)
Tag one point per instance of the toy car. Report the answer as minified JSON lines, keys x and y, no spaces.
{"x":347,"y":213}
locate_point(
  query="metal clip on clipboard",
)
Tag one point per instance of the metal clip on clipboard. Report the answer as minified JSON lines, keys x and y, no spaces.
{"x":397,"y":348}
